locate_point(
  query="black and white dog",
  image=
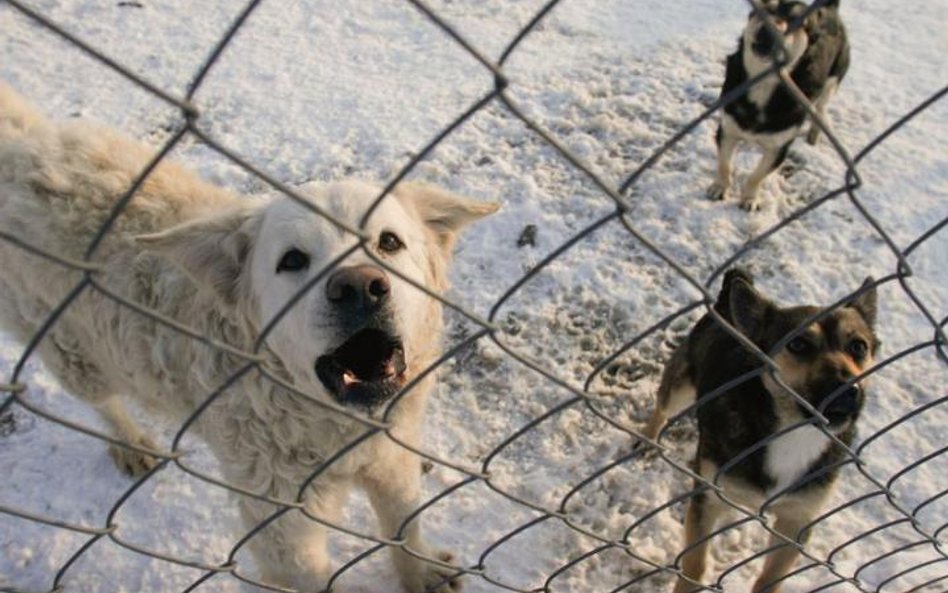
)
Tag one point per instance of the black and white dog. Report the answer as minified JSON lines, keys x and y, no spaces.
{"x":756,"y":441}
{"x":768,"y":114}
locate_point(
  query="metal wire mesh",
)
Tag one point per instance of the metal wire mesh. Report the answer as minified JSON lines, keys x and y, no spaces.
{"x":490,"y":328}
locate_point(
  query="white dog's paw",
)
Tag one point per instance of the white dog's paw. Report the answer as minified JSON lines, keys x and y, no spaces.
{"x":716,"y":191}
{"x":424,"y":577}
{"x":132,"y":462}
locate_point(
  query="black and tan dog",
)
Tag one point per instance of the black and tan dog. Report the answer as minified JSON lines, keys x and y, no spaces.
{"x":768,"y":114}
{"x":747,"y":443}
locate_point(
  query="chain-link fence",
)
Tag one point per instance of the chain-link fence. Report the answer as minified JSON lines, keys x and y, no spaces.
{"x":571,"y":531}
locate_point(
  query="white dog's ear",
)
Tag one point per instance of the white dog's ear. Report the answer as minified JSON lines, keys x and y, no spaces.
{"x":213,"y":251}
{"x":443,"y":212}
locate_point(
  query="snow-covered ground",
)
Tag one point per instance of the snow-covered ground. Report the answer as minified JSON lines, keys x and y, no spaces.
{"x":323,"y":90}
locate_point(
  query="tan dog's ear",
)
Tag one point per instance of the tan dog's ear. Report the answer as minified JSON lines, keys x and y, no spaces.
{"x":723,"y":303}
{"x":866,"y":303}
{"x":747,"y":307}
{"x":213,"y":251}
{"x":443,"y":212}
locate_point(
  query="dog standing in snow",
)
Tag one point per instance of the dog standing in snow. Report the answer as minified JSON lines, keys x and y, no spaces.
{"x":225,"y":266}
{"x":755,"y":439}
{"x":767,"y":114}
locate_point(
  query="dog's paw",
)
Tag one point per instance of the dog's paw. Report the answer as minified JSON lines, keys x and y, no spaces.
{"x":793,"y":164}
{"x":644,"y":451}
{"x":751,"y":203}
{"x":431,"y":578}
{"x":132,"y":462}
{"x":813,"y":136}
{"x":716,"y":191}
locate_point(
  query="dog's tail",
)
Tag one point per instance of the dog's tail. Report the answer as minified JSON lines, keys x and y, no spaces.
{"x":722,"y":305}
{"x":17,"y":116}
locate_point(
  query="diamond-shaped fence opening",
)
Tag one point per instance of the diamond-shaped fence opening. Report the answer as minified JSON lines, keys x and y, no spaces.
{"x":537,"y":472}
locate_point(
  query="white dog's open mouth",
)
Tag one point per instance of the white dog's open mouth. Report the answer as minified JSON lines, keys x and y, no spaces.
{"x":366,"y":370}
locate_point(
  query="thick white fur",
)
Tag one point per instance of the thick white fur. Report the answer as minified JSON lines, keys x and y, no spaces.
{"x":207,"y":258}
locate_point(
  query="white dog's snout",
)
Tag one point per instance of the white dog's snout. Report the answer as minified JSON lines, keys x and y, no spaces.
{"x":361,"y":288}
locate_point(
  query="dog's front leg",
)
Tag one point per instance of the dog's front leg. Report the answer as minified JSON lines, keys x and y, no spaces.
{"x":726,"y":143}
{"x":291,"y":550}
{"x":828,"y":91}
{"x":702,"y":516}
{"x":771,"y":159}
{"x":394,"y":489}
{"x":792,"y":519}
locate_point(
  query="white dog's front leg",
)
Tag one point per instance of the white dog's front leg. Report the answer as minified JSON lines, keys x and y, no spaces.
{"x":291,"y":551}
{"x":394,"y":490}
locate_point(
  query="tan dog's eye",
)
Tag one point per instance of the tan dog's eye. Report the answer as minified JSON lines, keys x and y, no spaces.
{"x":389,"y":242}
{"x":293,"y":260}
{"x":858,"y":349}
{"x":799,"y":345}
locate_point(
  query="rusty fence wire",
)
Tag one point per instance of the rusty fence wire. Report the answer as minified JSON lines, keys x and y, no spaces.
{"x":489,"y":328}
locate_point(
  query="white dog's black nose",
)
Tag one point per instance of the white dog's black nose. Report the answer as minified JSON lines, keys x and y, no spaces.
{"x":360,"y":288}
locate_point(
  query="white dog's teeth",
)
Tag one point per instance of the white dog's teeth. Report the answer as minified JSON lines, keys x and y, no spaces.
{"x":349,"y":378}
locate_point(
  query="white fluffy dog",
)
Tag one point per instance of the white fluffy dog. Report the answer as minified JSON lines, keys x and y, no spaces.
{"x":225,"y":266}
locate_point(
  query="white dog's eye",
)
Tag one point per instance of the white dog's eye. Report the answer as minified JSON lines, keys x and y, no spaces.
{"x":389,"y":242}
{"x":293,"y":260}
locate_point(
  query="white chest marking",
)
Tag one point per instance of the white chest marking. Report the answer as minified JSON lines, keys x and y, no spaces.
{"x":763,"y":89}
{"x":760,"y":92}
{"x":791,"y":454}
{"x":770,"y":141}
